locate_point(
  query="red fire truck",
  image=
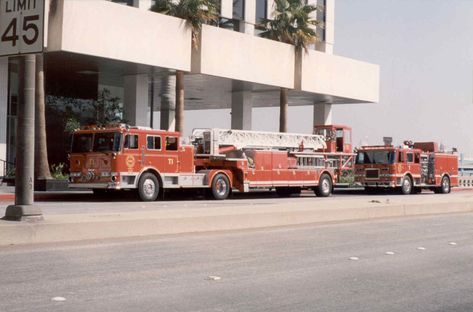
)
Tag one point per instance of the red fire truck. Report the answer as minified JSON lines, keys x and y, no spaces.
{"x":150,"y":161}
{"x":410,"y":168}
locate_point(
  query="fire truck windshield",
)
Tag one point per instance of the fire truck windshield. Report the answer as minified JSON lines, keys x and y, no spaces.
{"x":375,"y":157}
{"x":98,"y":142}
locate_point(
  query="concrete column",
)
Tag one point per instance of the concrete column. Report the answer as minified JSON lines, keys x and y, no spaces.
{"x":3,"y":111}
{"x":322,"y":114}
{"x":242,"y":105}
{"x":167,"y":98}
{"x":248,"y":25}
{"x":142,"y":4}
{"x":135,"y":98}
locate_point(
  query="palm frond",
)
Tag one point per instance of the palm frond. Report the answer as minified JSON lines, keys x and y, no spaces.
{"x":195,"y":12}
{"x":292,"y":23}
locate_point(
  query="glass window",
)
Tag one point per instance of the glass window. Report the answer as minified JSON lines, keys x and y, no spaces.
{"x":410,"y":157}
{"x":171,"y":143}
{"x":375,"y":157}
{"x":401,"y":157}
{"x":261,"y":11}
{"x":153,"y":142}
{"x":131,"y":141}
{"x":82,"y":143}
{"x":107,"y":142}
{"x":239,"y":9}
{"x":125,"y":2}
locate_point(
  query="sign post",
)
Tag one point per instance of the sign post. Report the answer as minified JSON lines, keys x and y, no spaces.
{"x":22,"y":34}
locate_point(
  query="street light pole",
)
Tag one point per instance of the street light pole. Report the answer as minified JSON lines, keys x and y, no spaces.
{"x":24,"y":174}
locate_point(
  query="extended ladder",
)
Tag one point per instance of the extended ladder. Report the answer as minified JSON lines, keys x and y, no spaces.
{"x":213,"y":139}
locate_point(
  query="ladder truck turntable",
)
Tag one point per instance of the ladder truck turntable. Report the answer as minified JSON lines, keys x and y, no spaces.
{"x":409,"y":168}
{"x":119,"y":157}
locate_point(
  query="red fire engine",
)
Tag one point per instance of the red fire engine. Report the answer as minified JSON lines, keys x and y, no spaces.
{"x":410,"y":168}
{"x":123,"y":157}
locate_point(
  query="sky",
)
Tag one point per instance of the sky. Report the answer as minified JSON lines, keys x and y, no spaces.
{"x":425,"y":52}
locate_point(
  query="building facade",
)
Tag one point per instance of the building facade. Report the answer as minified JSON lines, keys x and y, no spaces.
{"x":122,"y":47}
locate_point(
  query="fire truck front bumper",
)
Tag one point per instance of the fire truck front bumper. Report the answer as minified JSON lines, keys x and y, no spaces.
{"x":107,"y":185}
{"x":385,"y":184}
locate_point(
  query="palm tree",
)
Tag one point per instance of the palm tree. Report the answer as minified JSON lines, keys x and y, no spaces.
{"x":41,"y":171}
{"x":292,"y":24}
{"x":195,"y":13}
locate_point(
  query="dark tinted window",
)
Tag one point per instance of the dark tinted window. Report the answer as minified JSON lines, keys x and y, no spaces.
{"x":375,"y":157}
{"x":260,"y":10}
{"x":107,"y":142}
{"x":82,"y":143}
{"x":171,"y":143}
{"x":153,"y":142}
{"x":239,"y":9}
{"x":131,"y":141}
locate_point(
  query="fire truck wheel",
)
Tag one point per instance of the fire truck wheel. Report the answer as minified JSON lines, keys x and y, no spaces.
{"x":406,"y":186}
{"x":220,"y":187}
{"x":148,"y":187}
{"x":324,"y":189}
{"x":444,"y":186}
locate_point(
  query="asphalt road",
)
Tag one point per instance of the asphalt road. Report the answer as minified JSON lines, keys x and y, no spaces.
{"x":423,"y":264}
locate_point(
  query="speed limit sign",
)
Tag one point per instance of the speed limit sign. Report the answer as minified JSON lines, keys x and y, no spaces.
{"x":21,"y":26}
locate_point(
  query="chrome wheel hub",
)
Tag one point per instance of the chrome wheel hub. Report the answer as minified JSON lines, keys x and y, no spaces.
{"x":221,"y":187}
{"x":149,"y":187}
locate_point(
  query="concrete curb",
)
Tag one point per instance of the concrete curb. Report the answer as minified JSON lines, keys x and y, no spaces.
{"x":63,"y":228}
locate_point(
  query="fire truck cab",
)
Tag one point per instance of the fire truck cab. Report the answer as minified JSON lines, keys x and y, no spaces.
{"x":123,"y":157}
{"x":409,"y":168}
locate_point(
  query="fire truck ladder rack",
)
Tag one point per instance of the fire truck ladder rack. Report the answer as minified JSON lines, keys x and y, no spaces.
{"x":213,"y":139}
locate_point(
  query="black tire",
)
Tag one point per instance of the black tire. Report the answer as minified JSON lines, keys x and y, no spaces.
{"x":148,"y":187}
{"x":324,"y":189}
{"x":406,"y":186}
{"x":445,"y":186}
{"x":220,"y":187}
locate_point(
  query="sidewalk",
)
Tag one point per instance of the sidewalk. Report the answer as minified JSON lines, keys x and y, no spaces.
{"x":67,"y":222}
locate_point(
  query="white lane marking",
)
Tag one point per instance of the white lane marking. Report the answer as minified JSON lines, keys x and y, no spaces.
{"x":390,"y":253}
{"x":214,"y":278}
{"x":420,"y":248}
{"x":452,"y":243}
{"x":354,"y":258}
{"x":58,"y":299}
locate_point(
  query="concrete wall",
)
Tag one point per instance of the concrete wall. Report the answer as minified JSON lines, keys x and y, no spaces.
{"x":328,"y":74}
{"x":3,"y":110}
{"x":239,"y":56}
{"x":108,"y":30}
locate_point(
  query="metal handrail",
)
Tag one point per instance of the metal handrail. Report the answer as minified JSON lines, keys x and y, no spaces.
{"x":5,"y":167}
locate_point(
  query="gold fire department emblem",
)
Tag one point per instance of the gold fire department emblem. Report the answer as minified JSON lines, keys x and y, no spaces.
{"x":130,"y":162}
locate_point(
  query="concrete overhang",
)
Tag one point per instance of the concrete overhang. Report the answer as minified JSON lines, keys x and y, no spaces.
{"x":234,"y":55}
{"x":337,"y":76}
{"x":108,"y":30}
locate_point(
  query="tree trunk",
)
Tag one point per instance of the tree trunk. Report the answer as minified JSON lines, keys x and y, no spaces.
{"x":168,"y":102}
{"x":180,"y":101}
{"x":283,"y":110}
{"x":41,"y":150}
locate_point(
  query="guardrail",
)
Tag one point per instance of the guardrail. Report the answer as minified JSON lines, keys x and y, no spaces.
{"x":465,"y":181}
